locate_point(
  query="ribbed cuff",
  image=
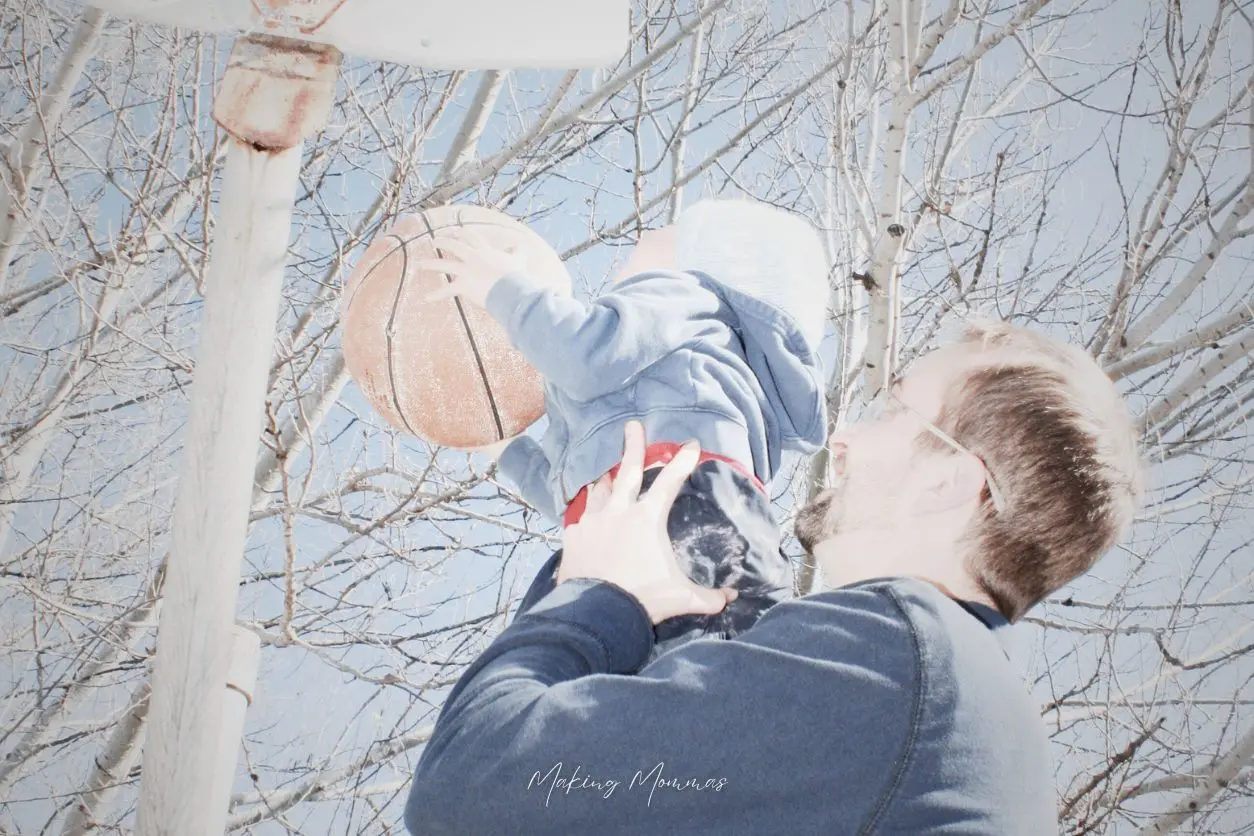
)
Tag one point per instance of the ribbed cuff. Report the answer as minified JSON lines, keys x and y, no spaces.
{"x":610,"y":615}
{"x":506,"y":296}
{"x":517,"y":458}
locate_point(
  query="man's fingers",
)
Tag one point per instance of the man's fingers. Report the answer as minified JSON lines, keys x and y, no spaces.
{"x":709,"y":601}
{"x":598,"y":494}
{"x":631,"y":471}
{"x":671,"y":480}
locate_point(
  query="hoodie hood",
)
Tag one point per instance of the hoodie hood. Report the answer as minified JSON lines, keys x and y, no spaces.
{"x":787,"y":367}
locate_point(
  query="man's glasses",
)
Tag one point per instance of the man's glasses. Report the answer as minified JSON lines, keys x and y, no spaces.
{"x":994,"y":492}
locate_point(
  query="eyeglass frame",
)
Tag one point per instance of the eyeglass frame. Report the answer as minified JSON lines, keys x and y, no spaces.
{"x":994,"y":493}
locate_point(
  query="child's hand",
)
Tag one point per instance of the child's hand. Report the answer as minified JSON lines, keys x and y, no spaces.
{"x":475,"y":267}
{"x":493,"y":451}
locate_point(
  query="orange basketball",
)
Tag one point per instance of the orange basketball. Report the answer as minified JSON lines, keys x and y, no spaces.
{"x":444,"y":370}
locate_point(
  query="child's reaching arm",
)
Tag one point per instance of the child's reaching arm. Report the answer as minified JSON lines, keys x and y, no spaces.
{"x":583,"y":348}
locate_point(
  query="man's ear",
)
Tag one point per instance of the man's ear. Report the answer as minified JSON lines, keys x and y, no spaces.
{"x":950,"y":480}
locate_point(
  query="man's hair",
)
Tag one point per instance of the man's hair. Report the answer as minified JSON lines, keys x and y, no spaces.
{"x":1061,"y":447}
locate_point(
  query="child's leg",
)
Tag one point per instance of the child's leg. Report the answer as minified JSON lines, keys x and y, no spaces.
{"x":725,"y":535}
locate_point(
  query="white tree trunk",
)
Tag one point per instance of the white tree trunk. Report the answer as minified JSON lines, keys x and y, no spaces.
{"x":297,"y":433}
{"x":1184,"y":290}
{"x":1157,"y":419}
{"x":1201,"y":336}
{"x":276,"y":802}
{"x":884,"y":276}
{"x":685,"y":118}
{"x":1153,"y":321}
{"x":466,"y":144}
{"x":1210,"y":784}
{"x":111,"y":767}
{"x":18,"y":464}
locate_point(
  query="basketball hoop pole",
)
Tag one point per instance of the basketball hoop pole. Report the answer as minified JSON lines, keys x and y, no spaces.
{"x":275,"y":93}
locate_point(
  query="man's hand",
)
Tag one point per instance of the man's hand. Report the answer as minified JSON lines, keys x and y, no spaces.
{"x":475,"y":267}
{"x":622,"y":537}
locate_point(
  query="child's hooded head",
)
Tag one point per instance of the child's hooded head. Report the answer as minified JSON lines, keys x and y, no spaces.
{"x":761,"y":251}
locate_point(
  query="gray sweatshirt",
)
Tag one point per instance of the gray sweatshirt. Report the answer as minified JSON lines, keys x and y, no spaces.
{"x":881,"y":707}
{"x":688,"y":357}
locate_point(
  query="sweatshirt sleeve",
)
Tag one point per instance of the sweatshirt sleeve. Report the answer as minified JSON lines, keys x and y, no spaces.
{"x":526,"y":467}
{"x":589,"y":348}
{"x":557,"y":729}
{"x":508,"y":713}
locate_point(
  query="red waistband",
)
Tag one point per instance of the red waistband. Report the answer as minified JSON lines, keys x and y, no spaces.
{"x":654,"y":454}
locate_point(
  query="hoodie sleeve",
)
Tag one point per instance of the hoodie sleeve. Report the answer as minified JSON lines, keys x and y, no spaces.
{"x":589,"y":348}
{"x":526,"y":467}
{"x":505,"y":715}
{"x":556,"y":729}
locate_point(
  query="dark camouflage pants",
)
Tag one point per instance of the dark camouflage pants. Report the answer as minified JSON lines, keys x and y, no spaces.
{"x":724,"y":535}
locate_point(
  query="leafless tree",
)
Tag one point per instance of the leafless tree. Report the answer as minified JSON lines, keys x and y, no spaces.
{"x":961,"y":155}
{"x":1009,"y":160}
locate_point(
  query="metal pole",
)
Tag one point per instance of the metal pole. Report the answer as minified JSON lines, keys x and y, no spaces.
{"x":274,"y":93}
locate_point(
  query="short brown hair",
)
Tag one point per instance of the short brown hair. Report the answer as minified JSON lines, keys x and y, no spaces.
{"x":1062,"y":448}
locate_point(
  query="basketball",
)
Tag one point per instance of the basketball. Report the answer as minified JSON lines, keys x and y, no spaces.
{"x":442,"y":370}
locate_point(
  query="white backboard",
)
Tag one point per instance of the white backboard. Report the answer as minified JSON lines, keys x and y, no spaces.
{"x":441,"y":34}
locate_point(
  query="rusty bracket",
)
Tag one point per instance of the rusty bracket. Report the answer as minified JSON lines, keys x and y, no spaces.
{"x":276,"y":92}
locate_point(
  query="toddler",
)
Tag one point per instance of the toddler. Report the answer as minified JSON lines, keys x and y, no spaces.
{"x":712,"y":335}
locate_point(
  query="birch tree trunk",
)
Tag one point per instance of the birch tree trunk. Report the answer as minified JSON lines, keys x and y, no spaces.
{"x":25,"y":161}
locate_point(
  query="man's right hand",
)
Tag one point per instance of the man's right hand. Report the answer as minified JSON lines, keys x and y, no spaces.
{"x":621,"y":537}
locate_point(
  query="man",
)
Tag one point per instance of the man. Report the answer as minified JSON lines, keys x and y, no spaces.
{"x":1002,"y":468}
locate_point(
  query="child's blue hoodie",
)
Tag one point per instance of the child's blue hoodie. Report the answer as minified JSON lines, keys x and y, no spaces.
{"x":687,"y":356}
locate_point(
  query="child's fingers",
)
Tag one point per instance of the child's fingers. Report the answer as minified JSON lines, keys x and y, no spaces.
{"x":468,"y":236}
{"x":447,"y":245}
{"x":704,"y":601}
{"x":447,"y":266}
{"x":448,"y":291}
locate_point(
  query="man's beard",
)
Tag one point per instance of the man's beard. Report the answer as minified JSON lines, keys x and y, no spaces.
{"x":817,"y":521}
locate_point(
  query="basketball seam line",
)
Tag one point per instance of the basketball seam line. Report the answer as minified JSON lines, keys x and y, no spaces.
{"x":400,"y":288}
{"x":483,"y":372}
{"x":474,"y":346}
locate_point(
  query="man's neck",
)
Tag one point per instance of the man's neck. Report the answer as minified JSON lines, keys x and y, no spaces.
{"x":865,"y":555}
